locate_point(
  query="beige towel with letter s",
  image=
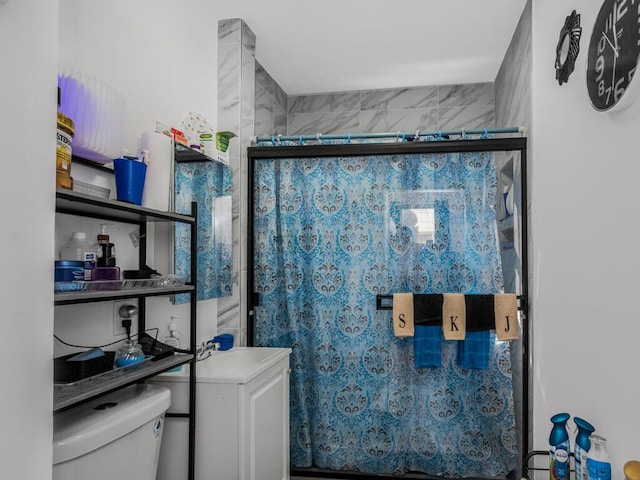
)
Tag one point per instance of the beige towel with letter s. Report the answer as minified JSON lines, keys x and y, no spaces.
{"x":506,"y":315}
{"x":454,"y":316}
{"x":403,"y":314}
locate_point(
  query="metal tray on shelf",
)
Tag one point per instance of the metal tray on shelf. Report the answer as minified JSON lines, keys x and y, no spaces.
{"x":63,"y":390}
{"x":114,"y":285}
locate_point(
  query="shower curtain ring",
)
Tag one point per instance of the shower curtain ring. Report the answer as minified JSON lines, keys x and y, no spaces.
{"x":417,"y":139}
{"x":348,"y":138}
{"x":301,"y":140}
{"x":273,"y":140}
{"x":318,"y":135}
{"x":462,"y":133}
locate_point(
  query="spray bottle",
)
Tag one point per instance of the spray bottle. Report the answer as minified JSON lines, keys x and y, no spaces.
{"x":582,"y":447}
{"x":559,"y":448}
{"x":598,"y":461}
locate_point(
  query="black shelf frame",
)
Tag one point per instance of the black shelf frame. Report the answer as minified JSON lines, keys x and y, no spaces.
{"x":80,"y":204}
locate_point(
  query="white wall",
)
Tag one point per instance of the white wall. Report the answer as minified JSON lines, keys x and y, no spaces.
{"x":585,"y":172}
{"x":28,"y":35}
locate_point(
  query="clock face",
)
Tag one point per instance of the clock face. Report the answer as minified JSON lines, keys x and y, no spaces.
{"x":613,"y":53}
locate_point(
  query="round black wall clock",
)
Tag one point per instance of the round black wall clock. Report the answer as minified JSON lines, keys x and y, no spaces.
{"x":613,"y":54}
{"x":568,"y":47}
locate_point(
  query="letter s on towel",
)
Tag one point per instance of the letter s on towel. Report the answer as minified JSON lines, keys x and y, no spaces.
{"x":403,"y":315}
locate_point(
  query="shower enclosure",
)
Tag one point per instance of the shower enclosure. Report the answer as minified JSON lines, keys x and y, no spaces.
{"x":333,"y":229}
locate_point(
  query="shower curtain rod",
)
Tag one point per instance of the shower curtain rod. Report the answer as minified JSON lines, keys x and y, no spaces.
{"x":404,"y":136}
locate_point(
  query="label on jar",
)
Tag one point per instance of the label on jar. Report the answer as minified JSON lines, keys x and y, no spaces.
{"x":63,"y":151}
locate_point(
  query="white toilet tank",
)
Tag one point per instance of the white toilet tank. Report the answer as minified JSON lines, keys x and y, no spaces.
{"x":115,"y":436}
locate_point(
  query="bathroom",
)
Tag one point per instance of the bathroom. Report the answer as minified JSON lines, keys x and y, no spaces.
{"x":574,"y":289}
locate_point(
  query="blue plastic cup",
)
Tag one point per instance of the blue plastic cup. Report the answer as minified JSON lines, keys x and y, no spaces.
{"x":130,"y":175}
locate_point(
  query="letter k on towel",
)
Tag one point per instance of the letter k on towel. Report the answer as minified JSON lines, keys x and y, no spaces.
{"x":454,"y":316}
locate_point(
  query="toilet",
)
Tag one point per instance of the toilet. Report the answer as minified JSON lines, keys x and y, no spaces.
{"x":114,"y":436}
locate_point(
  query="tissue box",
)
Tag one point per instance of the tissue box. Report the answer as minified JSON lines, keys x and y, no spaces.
{"x":221,"y":152}
{"x":67,"y":372}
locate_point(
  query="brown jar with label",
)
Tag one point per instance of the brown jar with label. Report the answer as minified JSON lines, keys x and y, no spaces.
{"x":63,"y":150}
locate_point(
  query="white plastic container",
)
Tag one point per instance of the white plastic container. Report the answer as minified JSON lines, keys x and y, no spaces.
{"x":115,"y":436}
{"x":78,"y":249}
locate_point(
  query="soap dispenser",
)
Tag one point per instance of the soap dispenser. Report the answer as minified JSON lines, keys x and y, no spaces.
{"x":106,"y":263}
{"x":173,"y":339}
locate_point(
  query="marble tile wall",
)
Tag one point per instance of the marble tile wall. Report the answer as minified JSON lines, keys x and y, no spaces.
{"x":271,"y":105}
{"x":236,"y":113}
{"x":448,"y":107}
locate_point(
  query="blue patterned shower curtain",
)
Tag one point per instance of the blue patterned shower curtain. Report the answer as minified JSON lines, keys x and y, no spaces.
{"x":329,"y":237}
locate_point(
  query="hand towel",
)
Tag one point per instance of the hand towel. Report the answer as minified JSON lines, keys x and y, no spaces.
{"x":473,"y":352}
{"x":480,"y":312}
{"x":427,"y":309}
{"x":453,"y":316}
{"x":427,"y":346}
{"x":403,"y":315}
{"x":506,"y":314}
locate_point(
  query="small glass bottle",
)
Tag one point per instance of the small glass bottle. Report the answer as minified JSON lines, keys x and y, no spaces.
{"x":128,"y":354}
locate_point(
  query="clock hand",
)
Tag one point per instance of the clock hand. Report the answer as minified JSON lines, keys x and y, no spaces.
{"x":615,"y":49}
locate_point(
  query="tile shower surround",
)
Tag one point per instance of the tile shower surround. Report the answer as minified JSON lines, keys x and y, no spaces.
{"x":448,"y":107}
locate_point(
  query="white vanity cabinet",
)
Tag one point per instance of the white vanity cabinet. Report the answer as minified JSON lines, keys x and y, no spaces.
{"x":242,"y":420}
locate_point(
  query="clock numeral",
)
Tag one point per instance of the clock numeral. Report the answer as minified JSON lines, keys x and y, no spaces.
{"x":601,"y":44}
{"x":601,"y":88}
{"x":599,"y":68}
{"x":622,"y":9}
{"x":618,"y":89}
{"x":631,"y":72}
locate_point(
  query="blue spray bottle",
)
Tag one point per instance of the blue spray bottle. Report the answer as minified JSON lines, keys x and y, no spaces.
{"x":598,"y":462}
{"x":582,"y":446}
{"x":559,"y":448}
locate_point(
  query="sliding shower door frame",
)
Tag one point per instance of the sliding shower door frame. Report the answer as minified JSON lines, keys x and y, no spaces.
{"x":519,"y":144}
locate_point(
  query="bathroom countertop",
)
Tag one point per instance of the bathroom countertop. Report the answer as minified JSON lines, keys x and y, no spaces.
{"x":237,"y":365}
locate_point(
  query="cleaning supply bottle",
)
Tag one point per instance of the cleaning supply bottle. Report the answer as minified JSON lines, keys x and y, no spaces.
{"x":559,"y":448}
{"x":173,"y":339}
{"x":598,"y":461}
{"x":78,"y":249}
{"x":582,"y":447}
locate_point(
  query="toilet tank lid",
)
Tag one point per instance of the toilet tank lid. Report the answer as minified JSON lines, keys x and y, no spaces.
{"x":82,"y":429}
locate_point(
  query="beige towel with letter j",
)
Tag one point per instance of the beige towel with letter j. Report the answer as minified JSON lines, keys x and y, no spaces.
{"x":403,"y":314}
{"x":506,"y":315}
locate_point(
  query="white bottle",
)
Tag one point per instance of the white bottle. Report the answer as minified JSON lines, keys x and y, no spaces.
{"x":598,"y":461}
{"x":173,"y":339}
{"x":79,"y":249}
